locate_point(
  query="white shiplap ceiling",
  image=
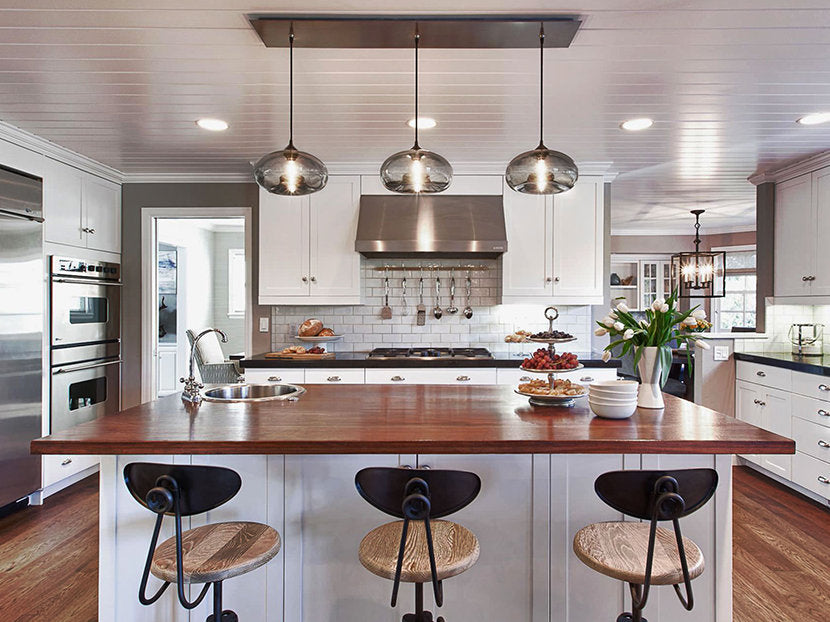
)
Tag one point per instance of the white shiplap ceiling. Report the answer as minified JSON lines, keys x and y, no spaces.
{"x":123,"y":82}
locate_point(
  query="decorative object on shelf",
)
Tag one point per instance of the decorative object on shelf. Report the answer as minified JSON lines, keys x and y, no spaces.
{"x":416,"y":170}
{"x":699,"y":274}
{"x":651,"y":341}
{"x":541,"y":171}
{"x":629,"y":280}
{"x":615,"y":279}
{"x":289,"y":171}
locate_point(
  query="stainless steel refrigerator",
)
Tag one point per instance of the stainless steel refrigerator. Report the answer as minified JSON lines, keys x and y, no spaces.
{"x":22,"y":278}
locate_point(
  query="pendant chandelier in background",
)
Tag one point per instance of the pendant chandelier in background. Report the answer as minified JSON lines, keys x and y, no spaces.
{"x":289,"y":171}
{"x":699,"y":274}
{"x":541,"y":171}
{"x":416,"y":170}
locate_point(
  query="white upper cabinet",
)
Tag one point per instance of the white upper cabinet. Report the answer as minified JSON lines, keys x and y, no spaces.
{"x":555,"y":246}
{"x":80,"y":209}
{"x":795,"y":236}
{"x":820,"y":286}
{"x":306,"y":244}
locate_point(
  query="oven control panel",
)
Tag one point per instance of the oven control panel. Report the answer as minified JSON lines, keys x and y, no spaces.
{"x":98,"y":270}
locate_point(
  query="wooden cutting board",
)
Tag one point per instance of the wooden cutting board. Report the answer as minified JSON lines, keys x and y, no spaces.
{"x":310,"y":357}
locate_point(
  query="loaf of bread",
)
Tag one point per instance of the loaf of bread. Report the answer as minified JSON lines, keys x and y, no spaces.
{"x":326,"y":332}
{"x":310,"y":328}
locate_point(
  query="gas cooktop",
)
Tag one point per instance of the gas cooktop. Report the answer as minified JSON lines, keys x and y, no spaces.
{"x":430,"y":353}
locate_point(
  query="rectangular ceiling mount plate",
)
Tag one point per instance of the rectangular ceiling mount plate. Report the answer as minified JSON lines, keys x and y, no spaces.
{"x":396,"y":31}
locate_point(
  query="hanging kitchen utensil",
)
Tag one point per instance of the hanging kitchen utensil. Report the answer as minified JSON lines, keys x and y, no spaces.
{"x":452,"y":309}
{"x":386,"y":311}
{"x":436,"y":310}
{"x":404,"y":307}
{"x":421,"y":310}
{"x":468,"y":310}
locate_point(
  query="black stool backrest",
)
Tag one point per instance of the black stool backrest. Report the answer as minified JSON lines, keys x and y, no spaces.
{"x":386,"y":488}
{"x":177,"y":490}
{"x":201,"y":488}
{"x":633,"y":492}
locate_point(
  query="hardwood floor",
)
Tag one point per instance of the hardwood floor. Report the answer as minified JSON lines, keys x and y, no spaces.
{"x":49,"y":556}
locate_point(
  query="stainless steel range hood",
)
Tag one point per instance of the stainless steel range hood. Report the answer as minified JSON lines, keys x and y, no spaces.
{"x":431,"y":226}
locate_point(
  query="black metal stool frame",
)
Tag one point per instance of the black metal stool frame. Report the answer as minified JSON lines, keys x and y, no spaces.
{"x":657,"y":496}
{"x":181,"y":490}
{"x":417,"y":494}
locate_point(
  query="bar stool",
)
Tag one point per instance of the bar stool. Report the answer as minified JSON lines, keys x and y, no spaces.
{"x":418,"y":548}
{"x":643,"y":554}
{"x":209,"y":554}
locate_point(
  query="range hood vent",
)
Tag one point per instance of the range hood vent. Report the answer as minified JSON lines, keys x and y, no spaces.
{"x":440,"y":227}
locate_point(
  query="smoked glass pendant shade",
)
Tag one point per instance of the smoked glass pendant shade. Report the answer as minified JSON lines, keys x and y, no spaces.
{"x":541,"y":171}
{"x":415,"y":171}
{"x":291,"y":172}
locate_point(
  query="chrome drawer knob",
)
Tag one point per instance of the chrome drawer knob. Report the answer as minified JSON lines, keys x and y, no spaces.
{"x":333,"y":378}
{"x":397,"y":379}
{"x":274,"y":379}
{"x":823,"y":387}
{"x":823,"y":413}
{"x":66,"y":462}
{"x":463,"y":378}
{"x":525,"y":379}
{"x":586,"y":379}
{"x":823,"y":479}
{"x":761,"y":374}
{"x":824,"y":444}
{"x":305,"y":279}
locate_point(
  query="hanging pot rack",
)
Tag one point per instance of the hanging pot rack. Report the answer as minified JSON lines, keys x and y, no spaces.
{"x":432,"y":268}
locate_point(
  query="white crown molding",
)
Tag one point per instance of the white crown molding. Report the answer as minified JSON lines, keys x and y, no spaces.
{"x":35,"y":143}
{"x":188,"y":178}
{"x":703,"y":233}
{"x":793,"y":169}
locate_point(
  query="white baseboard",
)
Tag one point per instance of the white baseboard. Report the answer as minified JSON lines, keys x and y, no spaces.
{"x":37,"y":498}
{"x":802,"y":491}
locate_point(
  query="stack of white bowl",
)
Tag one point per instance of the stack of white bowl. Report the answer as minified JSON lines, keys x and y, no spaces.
{"x":613,"y":399}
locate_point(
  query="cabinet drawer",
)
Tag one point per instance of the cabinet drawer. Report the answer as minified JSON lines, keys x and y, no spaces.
{"x":812,"y":474}
{"x":583,"y":376}
{"x":811,"y":409}
{"x":765,"y":375}
{"x":264,"y":376}
{"x":812,"y":439}
{"x":334,"y":376}
{"x":56,"y":468}
{"x":431,"y":376}
{"x":812,"y":385}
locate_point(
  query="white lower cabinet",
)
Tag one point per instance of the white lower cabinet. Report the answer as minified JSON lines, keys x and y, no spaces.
{"x":812,"y":474}
{"x":334,"y":376}
{"x":435,"y":375}
{"x":769,"y":409}
{"x":582,"y":376}
{"x":265,"y":376}
{"x":57,"y":468}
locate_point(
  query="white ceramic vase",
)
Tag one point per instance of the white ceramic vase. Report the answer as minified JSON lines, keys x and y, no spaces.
{"x":650,"y":394}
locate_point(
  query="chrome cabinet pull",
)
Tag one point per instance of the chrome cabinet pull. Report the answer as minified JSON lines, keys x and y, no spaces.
{"x":823,"y":479}
{"x":333,"y":378}
{"x":463,"y":378}
{"x":548,"y":279}
{"x":823,"y":413}
{"x":757,"y":401}
{"x":66,"y":461}
{"x":274,"y":379}
{"x":823,"y":387}
{"x":586,"y":379}
{"x":525,"y":379}
{"x":397,"y":379}
{"x":761,"y":374}
{"x":305,"y":279}
{"x":314,"y":279}
{"x":824,"y":444}
{"x":805,"y":279}
{"x":556,"y":279}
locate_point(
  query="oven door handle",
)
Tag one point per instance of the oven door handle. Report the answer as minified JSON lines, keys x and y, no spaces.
{"x":66,"y":370}
{"x":12,"y":214}
{"x":63,"y":279}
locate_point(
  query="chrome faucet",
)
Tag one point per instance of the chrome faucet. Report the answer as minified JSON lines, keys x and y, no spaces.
{"x":191,"y":386}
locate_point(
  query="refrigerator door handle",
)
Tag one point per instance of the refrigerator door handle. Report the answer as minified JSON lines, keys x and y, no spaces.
{"x":6,"y":212}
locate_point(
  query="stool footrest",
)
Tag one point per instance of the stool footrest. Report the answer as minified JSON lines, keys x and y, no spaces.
{"x":227,"y":616}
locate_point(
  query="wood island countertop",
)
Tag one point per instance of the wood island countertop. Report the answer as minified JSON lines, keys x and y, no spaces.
{"x":381,"y":419}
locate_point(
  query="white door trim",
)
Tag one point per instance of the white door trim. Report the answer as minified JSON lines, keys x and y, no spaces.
{"x":149,"y":320}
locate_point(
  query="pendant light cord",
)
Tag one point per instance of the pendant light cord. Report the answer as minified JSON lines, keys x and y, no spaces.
{"x":417,"y":40}
{"x":291,"y":88}
{"x":541,"y":85}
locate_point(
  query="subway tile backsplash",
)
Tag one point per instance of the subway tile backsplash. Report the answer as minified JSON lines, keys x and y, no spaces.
{"x":363,"y":328}
{"x":779,"y":319}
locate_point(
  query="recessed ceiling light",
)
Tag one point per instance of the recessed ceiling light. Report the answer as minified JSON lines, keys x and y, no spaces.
{"x":424,"y":123}
{"x":814,"y":118}
{"x":634,"y":125}
{"x":214,"y":125}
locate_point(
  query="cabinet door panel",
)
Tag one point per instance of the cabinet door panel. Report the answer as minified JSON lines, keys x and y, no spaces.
{"x":335,"y":264}
{"x":283,"y":246}
{"x":102,"y":214}
{"x":821,"y":205}
{"x":747,"y":408}
{"x":578,"y":241}
{"x":794,"y":236}
{"x":527,"y":264}
{"x":62,"y":204}
{"x":776,"y":416}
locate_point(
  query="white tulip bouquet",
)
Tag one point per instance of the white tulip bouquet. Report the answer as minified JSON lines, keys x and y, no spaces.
{"x":663,"y":325}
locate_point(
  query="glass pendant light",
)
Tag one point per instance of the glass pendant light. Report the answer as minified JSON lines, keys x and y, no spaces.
{"x":416,"y":170}
{"x":701,"y":274}
{"x":541,"y":171}
{"x":289,"y":171}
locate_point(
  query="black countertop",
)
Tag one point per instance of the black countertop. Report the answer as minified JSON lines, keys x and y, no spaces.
{"x":361,"y":360}
{"x":808,"y":364}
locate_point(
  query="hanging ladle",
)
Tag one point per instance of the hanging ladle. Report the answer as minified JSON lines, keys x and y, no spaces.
{"x":468,"y":310}
{"x":452,"y":309}
{"x":436,"y":311}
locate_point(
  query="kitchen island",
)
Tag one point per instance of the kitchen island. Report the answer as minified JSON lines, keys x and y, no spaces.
{"x":298,"y":460}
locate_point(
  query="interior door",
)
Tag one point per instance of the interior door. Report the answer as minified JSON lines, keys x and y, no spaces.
{"x":284,"y":246}
{"x":527,"y":266}
{"x":335,"y":264}
{"x":795,"y":236}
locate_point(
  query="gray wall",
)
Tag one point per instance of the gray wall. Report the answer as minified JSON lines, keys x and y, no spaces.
{"x":765,"y":225}
{"x":668,"y":244}
{"x":194,"y":197}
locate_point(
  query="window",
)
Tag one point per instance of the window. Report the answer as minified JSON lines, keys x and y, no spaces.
{"x":236,"y":282}
{"x":737,"y":308}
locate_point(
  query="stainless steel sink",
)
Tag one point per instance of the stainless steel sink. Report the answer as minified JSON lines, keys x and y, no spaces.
{"x":253,"y":392}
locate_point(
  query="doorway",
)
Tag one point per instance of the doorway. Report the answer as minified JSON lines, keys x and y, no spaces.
{"x":199,"y":276}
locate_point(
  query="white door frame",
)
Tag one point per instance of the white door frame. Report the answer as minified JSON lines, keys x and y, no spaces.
{"x":149,"y":318}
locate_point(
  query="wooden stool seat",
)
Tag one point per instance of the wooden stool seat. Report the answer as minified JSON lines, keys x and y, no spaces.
{"x":217,"y":552}
{"x":456,"y":550}
{"x":620,"y":549}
